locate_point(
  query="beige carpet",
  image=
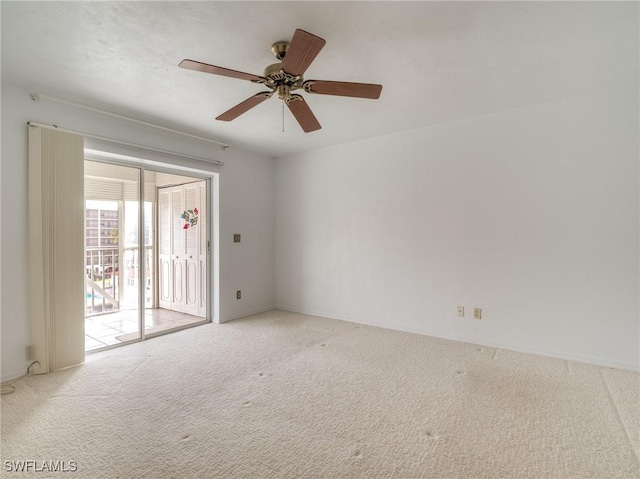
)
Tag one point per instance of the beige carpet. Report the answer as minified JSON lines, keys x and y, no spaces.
{"x":287,"y":395}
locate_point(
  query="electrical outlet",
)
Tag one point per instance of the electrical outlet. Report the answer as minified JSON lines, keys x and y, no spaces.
{"x":477,"y":313}
{"x":460,"y":310}
{"x":236,"y":238}
{"x":238,"y":294}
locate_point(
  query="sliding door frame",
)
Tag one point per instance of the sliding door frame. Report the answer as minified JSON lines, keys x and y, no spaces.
{"x":210,"y":179}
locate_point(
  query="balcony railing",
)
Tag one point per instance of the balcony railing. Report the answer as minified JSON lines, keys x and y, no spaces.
{"x":109,"y":291}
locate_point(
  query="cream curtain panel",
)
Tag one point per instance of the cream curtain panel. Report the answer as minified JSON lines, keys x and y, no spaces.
{"x":56,"y":246}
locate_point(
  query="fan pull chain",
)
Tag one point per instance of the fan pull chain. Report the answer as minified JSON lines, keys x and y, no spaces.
{"x":282,"y":117}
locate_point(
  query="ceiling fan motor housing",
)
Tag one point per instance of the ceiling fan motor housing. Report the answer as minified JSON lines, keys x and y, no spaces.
{"x":282,"y":82}
{"x":275,"y":73}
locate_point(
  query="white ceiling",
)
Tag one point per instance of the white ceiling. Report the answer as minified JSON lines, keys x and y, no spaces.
{"x":437,"y":61}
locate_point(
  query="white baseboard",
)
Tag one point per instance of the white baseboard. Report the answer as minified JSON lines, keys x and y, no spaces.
{"x":12,"y":376}
{"x":490,"y":344}
{"x":248,"y":313}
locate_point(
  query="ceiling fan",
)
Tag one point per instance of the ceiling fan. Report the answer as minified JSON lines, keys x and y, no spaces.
{"x":285,"y":77}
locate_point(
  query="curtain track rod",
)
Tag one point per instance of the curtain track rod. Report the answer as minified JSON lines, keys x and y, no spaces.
{"x":36,"y":97}
{"x":126,"y":143}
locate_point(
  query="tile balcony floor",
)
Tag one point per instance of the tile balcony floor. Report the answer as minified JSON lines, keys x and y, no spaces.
{"x":121,"y":326}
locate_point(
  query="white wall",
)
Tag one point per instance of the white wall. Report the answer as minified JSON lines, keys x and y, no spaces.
{"x":530,"y":214}
{"x":246,"y":207}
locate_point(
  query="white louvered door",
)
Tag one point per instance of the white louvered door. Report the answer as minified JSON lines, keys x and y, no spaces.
{"x":191,"y":203}
{"x":182,"y":248}
{"x":202,"y":253}
{"x":165,"y":266}
{"x":177,"y":249}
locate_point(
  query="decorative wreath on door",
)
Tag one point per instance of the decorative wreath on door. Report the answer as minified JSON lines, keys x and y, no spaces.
{"x":190,"y":218}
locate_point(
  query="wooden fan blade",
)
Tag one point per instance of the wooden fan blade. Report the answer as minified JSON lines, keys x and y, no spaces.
{"x":206,"y":68}
{"x":245,"y":106}
{"x":303,"y":113}
{"x":304,"y":47}
{"x":340,"y":88}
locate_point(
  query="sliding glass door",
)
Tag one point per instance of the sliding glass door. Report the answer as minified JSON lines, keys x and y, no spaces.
{"x":146,"y":252}
{"x":112,"y":313}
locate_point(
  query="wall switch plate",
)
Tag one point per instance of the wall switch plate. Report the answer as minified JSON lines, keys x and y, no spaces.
{"x":236,"y":238}
{"x":477,"y":313}
{"x":238,"y":294}
{"x":460,"y":311}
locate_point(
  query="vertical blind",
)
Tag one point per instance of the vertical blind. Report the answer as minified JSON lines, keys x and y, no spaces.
{"x":56,"y":247}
